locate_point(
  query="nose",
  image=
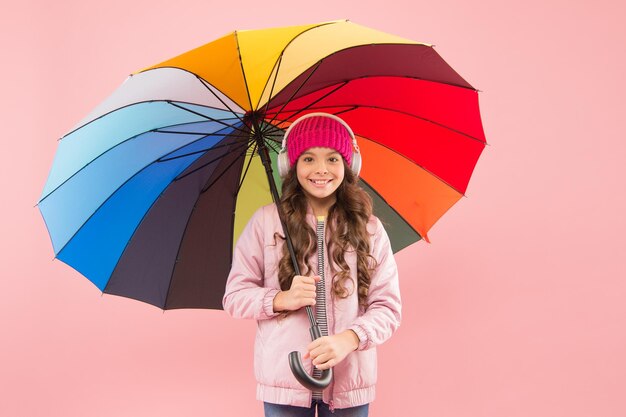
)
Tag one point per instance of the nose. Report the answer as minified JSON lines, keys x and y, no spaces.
{"x":321,"y":168}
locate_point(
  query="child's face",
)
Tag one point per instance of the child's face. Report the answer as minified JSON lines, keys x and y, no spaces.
{"x":320,"y":172}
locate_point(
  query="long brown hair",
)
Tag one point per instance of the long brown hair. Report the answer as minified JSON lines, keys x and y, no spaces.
{"x":346,"y":222}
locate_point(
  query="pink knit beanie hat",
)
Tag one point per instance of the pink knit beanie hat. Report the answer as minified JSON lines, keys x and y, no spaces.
{"x":318,"y":131}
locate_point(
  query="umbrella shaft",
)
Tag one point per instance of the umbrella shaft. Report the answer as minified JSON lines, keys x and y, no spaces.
{"x":265,"y":159}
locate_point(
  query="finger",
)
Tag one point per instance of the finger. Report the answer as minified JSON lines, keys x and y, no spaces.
{"x":322,"y":358}
{"x":303,"y":302}
{"x":320,"y":352}
{"x":320,"y":341}
{"x":310,"y":280}
{"x":326,"y":365}
{"x":324,"y":362}
{"x":305,"y":297}
{"x":314,"y":345}
{"x":305,"y":287}
{"x":301,"y":293}
{"x":309,"y":294}
{"x":299,"y":280}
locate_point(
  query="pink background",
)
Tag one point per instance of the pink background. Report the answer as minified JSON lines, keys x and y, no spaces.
{"x":518,"y":306}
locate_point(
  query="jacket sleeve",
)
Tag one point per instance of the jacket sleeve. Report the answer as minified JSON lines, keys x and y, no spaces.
{"x":384,"y":312}
{"x":245,"y":296}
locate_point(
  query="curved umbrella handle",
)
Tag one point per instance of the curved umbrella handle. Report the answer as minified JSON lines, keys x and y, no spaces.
{"x":295,"y":362}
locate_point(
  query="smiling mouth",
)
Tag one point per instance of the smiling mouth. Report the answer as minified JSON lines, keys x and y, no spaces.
{"x":320,"y":182}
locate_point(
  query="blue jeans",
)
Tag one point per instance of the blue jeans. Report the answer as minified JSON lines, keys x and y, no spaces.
{"x":278,"y":410}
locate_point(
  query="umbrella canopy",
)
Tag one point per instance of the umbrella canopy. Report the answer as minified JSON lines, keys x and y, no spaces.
{"x":148,"y":194}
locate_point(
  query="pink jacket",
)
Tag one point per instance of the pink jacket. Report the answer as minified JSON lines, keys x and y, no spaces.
{"x":250,"y":291}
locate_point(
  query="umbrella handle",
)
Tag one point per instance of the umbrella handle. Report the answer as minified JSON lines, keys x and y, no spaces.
{"x":307,"y":381}
{"x":295,"y":363}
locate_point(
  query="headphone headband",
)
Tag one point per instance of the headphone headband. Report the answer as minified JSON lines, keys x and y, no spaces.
{"x":330,"y":116}
{"x":283,"y":157}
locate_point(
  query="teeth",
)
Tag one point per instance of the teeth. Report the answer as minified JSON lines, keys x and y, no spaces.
{"x":320,"y":182}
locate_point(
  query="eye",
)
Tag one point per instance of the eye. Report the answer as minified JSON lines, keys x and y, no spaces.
{"x":333,"y":159}
{"x":307,"y":159}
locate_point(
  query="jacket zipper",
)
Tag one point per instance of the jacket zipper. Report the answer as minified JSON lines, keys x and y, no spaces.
{"x":321,"y":287}
{"x":321,"y":270}
{"x":321,"y":306}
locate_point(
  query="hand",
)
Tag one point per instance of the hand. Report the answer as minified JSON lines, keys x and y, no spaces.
{"x":302,"y":293}
{"x":328,"y":351}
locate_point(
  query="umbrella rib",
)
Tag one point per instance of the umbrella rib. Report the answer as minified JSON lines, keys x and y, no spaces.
{"x":272,"y":133}
{"x":223,"y":145}
{"x":180,"y":132}
{"x":205,"y":189}
{"x":272,"y":146}
{"x":273,"y":139}
{"x":317,"y":26}
{"x":277,"y":65}
{"x":113,"y":147}
{"x":411,"y":77}
{"x":417,"y":44}
{"x":243,"y":72}
{"x":191,"y":73}
{"x":243,"y":177}
{"x":357,"y":106}
{"x":308,"y":106}
{"x":296,"y":92}
{"x":208,"y":86}
{"x":273,"y":130}
{"x":129,"y":105}
{"x":175,"y":132}
{"x":242,"y":145}
{"x":113,"y":193}
{"x":206,"y":117}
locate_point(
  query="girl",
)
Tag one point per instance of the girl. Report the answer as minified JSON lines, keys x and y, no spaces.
{"x":348,"y":274}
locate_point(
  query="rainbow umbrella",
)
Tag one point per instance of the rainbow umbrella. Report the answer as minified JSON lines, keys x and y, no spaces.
{"x":148,"y":194}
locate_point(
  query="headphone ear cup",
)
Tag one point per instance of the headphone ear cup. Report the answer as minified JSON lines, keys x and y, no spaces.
{"x":283,"y":164}
{"x":355,"y":165}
